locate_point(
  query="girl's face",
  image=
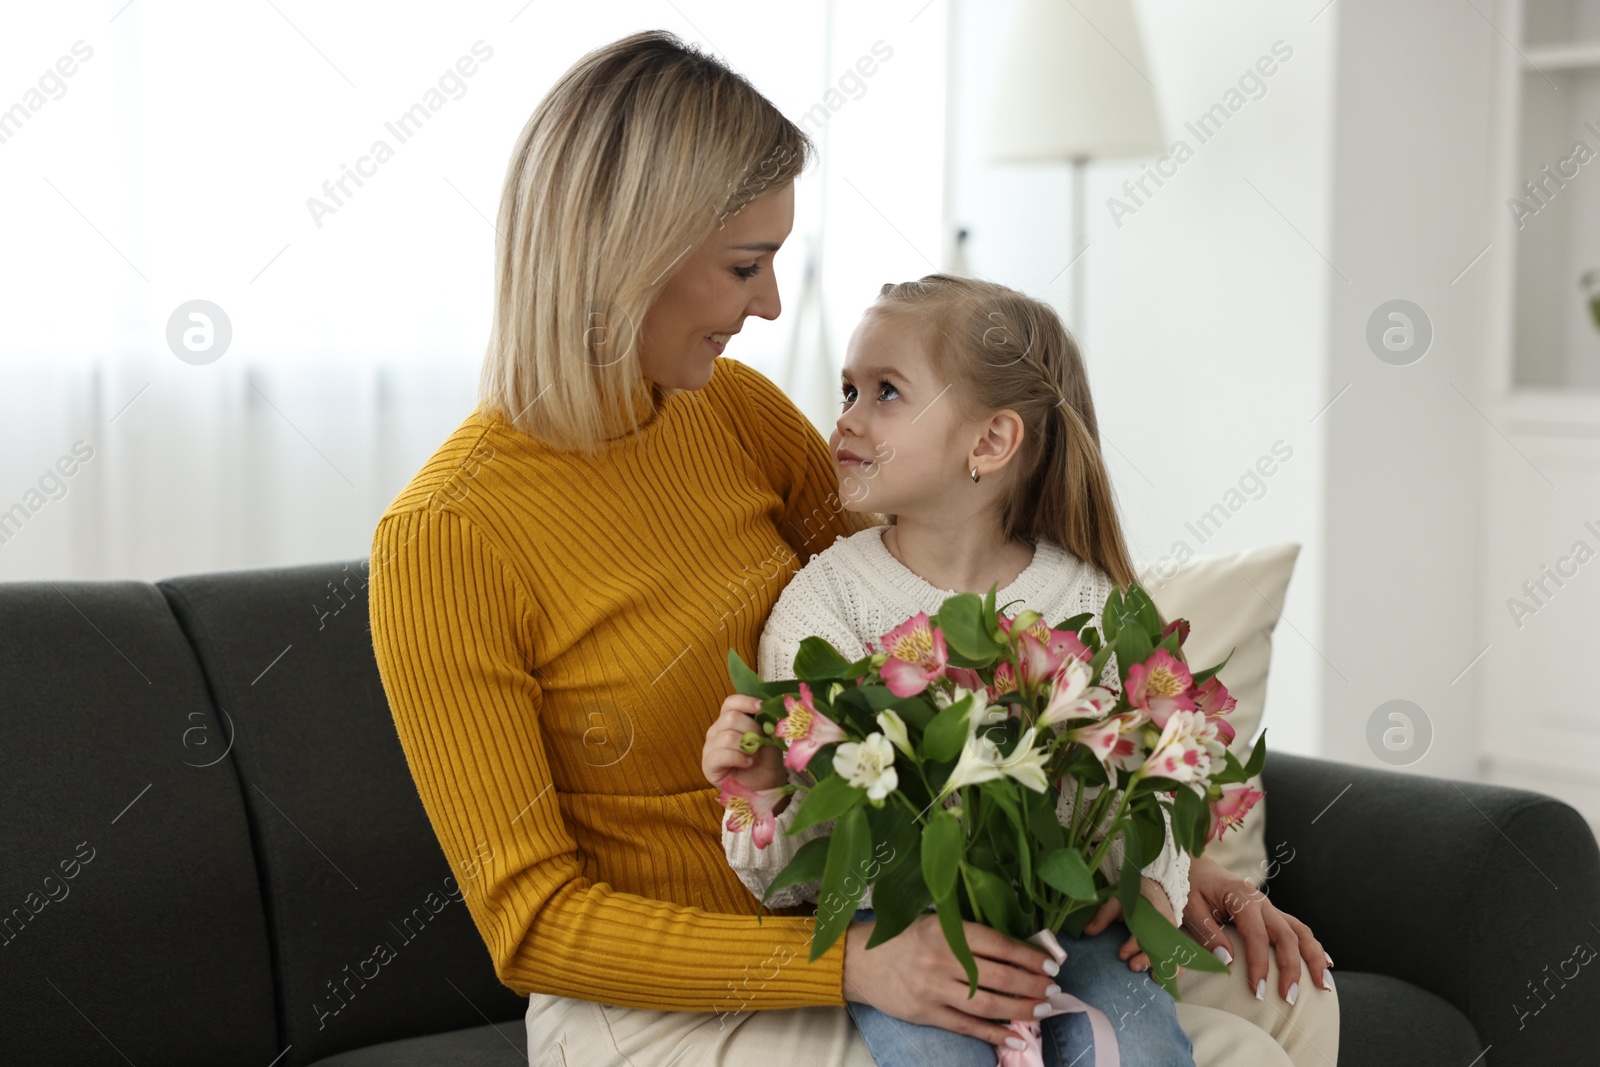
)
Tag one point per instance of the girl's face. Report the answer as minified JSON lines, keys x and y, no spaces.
{"x":715,"y":286}
{"x":900,"y":446}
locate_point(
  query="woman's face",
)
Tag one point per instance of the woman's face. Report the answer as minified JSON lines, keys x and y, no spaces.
{"x":714,"y":288}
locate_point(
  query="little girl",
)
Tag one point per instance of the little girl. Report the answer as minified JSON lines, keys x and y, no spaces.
{"x":967,"y":422}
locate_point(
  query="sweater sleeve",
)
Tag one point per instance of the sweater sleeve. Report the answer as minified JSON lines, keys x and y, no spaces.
{"x":450,"y":627}
{"x":798,"y":614}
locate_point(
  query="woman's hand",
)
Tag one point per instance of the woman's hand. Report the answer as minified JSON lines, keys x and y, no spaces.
{"x":1151,"y":890}
{"x":1217,"y":895}
{"x":914,"y":976}
{"x":723,"y":758}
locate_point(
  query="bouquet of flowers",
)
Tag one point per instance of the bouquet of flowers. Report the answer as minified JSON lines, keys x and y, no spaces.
{"x":939,"y":757}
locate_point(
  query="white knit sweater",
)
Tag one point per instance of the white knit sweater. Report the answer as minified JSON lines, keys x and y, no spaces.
{"x":855,"y":591}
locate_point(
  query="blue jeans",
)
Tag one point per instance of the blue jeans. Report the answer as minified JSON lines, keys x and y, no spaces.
{"x":1143,"y":1015}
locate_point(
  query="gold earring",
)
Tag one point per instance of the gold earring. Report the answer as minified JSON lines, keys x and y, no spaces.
{"x":974,"y":473}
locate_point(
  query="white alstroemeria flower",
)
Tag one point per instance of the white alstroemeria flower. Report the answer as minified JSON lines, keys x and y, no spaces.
{"x":981,"y":761}
{"x":868,"y":765}
{"x":1186,"y":750}
{"x":942,"y":700}
{"x":1026,"y":763}
{"x":894,"y":728}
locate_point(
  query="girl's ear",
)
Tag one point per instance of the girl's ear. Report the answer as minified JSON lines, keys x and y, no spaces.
{"x":1001,"y":436}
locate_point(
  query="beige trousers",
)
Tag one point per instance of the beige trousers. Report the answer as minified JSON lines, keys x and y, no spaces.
{"x":1226,"y":1025}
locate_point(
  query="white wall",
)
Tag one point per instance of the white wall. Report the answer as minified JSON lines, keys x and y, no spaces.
{"x":1414,"y":198}
{"x":1206,"y":331}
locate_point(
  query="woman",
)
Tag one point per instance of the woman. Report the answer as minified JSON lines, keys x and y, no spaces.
{"x":554,"y":594}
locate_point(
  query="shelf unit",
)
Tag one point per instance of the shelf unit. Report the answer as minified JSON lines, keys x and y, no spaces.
{"x":1542,"y":494}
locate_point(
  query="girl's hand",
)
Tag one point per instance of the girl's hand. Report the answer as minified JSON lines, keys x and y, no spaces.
{"x":914,"y":976}
{"x":1217,"y":895}
{"x":1151,"y":890}
{"x":723,"y":758}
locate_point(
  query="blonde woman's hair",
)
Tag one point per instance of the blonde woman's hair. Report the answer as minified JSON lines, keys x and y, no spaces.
{"x":1000,"y":349}
{"x":636,"y":155}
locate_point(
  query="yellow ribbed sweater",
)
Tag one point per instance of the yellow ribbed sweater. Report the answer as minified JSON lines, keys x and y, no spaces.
{"x":552,"y":632}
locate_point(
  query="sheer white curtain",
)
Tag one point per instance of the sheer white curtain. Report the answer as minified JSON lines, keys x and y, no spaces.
{"x":160,"y":152}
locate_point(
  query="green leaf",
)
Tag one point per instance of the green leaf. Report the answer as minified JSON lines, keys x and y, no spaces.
{"x":997,"y":900}
{"x":828,"y":799}
{"x":894,"y":833}
{"x":942,"y":850}
{"x":843,"y":879}
{"x":961,"y":621}
{"x":1149,"y":616}
{"x":899,"y":896}
{"x":1205,"y":675}
{"x":1191,"y":820}
{"x":805,"y":867}
{"x":1258,"y":758}
{"x":819,"y":661}
{"x":1047,"y":829}
{"x":1065,"y":869}
{"x":1075,"y":623}
{"x":1166,"y":945}
{"x":745,"y":680}
{"x":1145,"y":835}
{"x":1007,"y":799}
{"x":1133,"y":646}
{"x":1127,"y":889}
{"x":1111,"y":614}
{"x":949,"y":911}
{"x":946,"y":735}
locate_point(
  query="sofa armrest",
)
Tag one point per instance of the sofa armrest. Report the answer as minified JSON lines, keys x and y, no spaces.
{"x":1488,"y":897}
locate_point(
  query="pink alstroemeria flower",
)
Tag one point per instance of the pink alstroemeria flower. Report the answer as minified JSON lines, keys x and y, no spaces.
{"x":1100,"y":737}
{"x":1072,"y":697}
{"x":805,"y":729}
{"x":966,"y":678}
{"x":1181,"y":626}
{"x":1229,"y":810}
{"x":749,"y":808}
{"x":1214,"y":701}
{"x":1005,"y":681}
{"x":917,"y":656}
{"x":1041,"y":651}
{"x":1160,"y":685}
{"x":1128,"y":752}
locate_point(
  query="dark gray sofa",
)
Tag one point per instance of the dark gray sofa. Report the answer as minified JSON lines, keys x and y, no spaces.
{"x":209,"y":831}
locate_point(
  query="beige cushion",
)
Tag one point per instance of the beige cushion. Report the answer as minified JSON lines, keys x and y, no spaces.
{"x":1231,"y":602}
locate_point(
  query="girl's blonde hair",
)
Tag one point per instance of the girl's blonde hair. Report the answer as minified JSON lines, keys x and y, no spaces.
{"x":636,"y":155}
{"x":1000,"y":349}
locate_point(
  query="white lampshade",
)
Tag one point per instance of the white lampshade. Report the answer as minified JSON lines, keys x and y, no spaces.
{"x":1071,"y":87}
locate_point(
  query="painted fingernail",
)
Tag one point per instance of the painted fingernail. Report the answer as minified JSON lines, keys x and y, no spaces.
{"x":1052,"y":989}
{"x":1224,"y":955}
{"x":1041,"y":1010}
{"x":1327,"y":981}
{"x":1328,"y":958}
{"x":1016,"y":1043}
{"x":1261,"y":989}
{"x":1050,"y":968}
{"x":1294,"y":991}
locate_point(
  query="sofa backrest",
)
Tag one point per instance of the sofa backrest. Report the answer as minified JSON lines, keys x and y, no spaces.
{"x":371,"y":938}
{"x":211,"y":849}
{"x":131,"y":918}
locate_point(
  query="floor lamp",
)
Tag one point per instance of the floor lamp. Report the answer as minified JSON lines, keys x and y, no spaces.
{"x":1074,"y":86}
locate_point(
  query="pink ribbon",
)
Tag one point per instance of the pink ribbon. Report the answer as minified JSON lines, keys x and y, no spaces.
{"x":1031,"y":1054}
